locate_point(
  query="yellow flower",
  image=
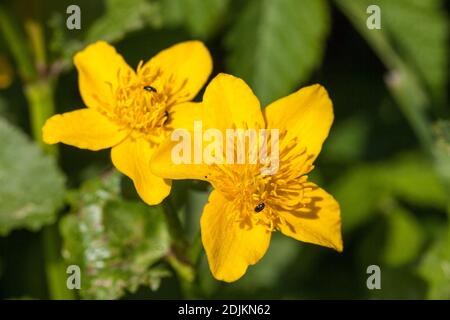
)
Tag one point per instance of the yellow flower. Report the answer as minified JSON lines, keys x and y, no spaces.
{"x":130,"y":111}
{"x":246,"y":206}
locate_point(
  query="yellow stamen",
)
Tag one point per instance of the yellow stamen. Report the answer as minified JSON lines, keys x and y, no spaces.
{"x":143,"y":110}
{"x":247,"y":188}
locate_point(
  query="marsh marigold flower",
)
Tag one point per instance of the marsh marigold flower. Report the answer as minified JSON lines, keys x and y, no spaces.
{"x":246,"y":206}
{"x":131,"y":111}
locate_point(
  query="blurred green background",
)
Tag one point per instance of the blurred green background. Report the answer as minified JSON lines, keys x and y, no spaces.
{"x":387,"y":159}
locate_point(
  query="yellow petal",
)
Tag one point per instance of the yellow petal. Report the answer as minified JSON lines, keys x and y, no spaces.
{"x":230,"y":246}
{"x":83,"y":128}
{"x":306,"y":115}
{"x":318,"y":223}
{"x":183,"y":115}
{"x":163,"y":164}
{"x":187,"y":65}
{"x":229,"y":101}
{"x":132,"y":158}
{"x":98,"y":67}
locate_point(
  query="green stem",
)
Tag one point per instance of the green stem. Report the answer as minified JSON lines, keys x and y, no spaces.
{"x":40,"y":98}
{"x":195,"y":249}
{"x":36,"y":36}
{"x":403,"y":84}
{"x":16,"y":41}
{"x":54,"y":265}
{"x":181,"y":258}
{"x":413,"y":107}
{"x":175,"y":227}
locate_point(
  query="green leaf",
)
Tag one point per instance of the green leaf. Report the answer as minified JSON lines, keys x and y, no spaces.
{"x":404,"y":237}
{"x":202,"y":18}
{"x":275,"y":45}
{"x":31,"y":186}
{"x":409,"y":177}
{"x":120,"y":18}
{"x":435,"y":269}
{"x":115,"y":242}
{"x":173,"y":13}
{"x":358,"y":196}
{"x":412,"y":177}
{"x":441,"y":150}
{"x":424,"y":44}
{"x":417,"y":31}
{"x":123,"y":16}
{"x":348,"y":141}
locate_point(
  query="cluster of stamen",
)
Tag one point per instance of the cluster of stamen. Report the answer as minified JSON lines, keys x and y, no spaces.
{"x":142,"y":100}
{"x":256,"y":197}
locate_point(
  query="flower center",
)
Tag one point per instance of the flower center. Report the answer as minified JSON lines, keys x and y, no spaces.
{"x":257,"y":198}
{"x":141,"y":102}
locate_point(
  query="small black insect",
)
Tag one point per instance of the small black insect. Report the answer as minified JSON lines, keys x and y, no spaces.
{"x":166,"y":114}
{"x":260,"y":207}
{"x":150,"y":89}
